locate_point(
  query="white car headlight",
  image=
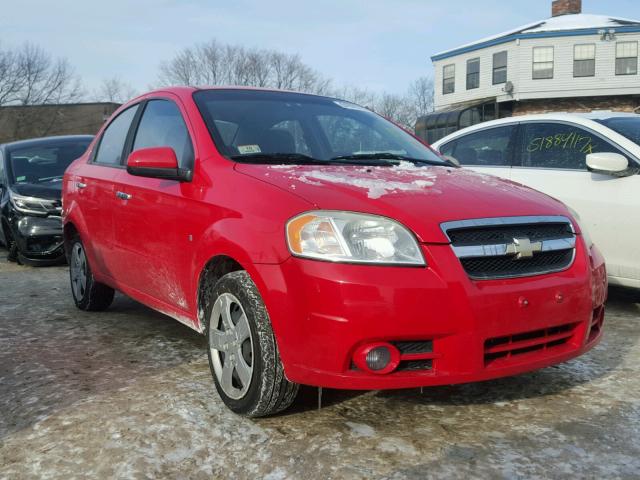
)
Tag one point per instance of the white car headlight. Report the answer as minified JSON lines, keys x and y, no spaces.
{"x":352,"y":237}
{"x":585,"y":233}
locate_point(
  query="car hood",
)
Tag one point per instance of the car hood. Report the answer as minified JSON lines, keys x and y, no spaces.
{"x":419,"y":197}
{"x":48,"y":191}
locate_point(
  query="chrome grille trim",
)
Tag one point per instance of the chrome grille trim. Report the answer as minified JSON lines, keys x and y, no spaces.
{"x":502,"y":221}
{"x":501,"y":249}
{"x":521,"y":257}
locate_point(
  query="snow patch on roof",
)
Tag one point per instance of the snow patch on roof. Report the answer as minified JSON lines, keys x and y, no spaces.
{"x":561,"y":23}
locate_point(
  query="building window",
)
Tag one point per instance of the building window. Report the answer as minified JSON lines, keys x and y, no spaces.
{"x":448,"y":79}
{"x":626,"y":58}
{"x":584,"y":60}
{"x":473,"y":73}
{"x":542,"y":62}
{"x":499,"y":67}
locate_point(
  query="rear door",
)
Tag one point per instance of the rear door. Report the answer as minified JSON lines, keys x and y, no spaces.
{"x":552,"y":159}
{"x":489,"y":150}
{"x":97,"y":183}
{"x":152,"y":236}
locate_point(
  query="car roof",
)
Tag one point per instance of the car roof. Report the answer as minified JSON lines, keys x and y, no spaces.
{"x":32,"y":142}
{"x":185,"y":91}
{"x":586,"y":119}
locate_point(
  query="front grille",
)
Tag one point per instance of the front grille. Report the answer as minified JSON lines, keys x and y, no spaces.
{"x":507,"y":247}
{"x":510,"y":346}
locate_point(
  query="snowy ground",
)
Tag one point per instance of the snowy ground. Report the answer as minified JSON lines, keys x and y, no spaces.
{"x":127,"y":394}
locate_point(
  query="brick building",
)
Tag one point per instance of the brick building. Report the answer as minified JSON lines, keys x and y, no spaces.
{"x":21,"y":122}
{"x":570,"y":62}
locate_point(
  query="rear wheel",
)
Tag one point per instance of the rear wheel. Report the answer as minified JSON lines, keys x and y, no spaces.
{"x":242,"y":350}
{"x":87,"y":293}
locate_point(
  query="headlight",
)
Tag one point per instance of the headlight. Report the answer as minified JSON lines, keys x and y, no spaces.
{"x":585,"y":233}
{"x":31,"y":205}
{"x":352,"y":237}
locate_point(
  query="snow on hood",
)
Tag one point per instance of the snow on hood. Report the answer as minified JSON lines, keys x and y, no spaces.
{"x":377,"y":181}
{"x":419,"y":197}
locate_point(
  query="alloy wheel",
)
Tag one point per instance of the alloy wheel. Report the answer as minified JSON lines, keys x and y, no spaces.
{"x":231,"y":346}
{"x":78,"y":268}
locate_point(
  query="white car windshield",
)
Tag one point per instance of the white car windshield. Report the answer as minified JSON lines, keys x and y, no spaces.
{"x":628,"y":127}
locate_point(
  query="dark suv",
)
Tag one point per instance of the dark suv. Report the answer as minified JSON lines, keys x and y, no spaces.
{"x":30,"y":196}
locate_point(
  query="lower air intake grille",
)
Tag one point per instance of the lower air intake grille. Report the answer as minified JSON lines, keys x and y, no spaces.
{"x":511,"y":346}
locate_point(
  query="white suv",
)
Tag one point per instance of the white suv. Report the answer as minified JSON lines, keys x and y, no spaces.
{"x":589,"y":161}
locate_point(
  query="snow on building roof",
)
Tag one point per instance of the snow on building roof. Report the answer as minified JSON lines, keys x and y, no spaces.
{"x":572,"y":24}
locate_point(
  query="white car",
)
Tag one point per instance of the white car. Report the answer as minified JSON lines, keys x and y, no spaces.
{"x":591,"y":162}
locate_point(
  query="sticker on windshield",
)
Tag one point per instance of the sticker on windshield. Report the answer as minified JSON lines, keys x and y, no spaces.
{"x":245,"y":149}
{"x":349,"y":105}
{"x":21,"y":178}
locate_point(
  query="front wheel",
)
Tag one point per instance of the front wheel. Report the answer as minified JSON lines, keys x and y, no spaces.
{"x":87,"y":293}
{"x":243,"y":354}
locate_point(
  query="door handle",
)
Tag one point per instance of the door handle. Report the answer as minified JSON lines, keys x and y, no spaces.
{"x":81,"y":185}
{"x":123,"y":196}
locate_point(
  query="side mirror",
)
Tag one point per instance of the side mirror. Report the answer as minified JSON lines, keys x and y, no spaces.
{"x":607,"y":163}
{"x":157,"y":162}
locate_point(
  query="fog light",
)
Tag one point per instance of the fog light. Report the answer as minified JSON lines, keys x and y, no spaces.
{"x":380,"y":358}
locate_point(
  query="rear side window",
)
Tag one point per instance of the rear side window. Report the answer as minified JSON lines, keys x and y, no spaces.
{"x":162,"y":125}
{"x":559,"y":146}
{"x":490,"y":147}
{"x":113,"y":139}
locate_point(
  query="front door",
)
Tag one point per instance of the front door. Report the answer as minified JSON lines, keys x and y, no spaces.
{"x":152,"y":237}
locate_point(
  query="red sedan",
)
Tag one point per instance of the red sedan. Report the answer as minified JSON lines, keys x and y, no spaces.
{"x":314,"y":242}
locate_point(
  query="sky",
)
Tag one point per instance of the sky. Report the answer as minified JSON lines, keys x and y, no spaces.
{"x":382,"y":45}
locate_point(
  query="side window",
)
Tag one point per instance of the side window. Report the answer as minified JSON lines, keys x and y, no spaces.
{"x":162,"y":125}
{"x":112,"y":141}
{"x":559,"y":145}
{"x":490,"y":147}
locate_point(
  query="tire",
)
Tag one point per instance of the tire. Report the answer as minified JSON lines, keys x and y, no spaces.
{"x":249,"y":342}
{"x":11,"y":245}
{"x":87,"y":294}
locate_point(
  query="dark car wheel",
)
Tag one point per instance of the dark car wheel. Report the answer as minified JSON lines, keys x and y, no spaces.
{"x":87,"y":293}
{"x":242,"y":350}
{"x":11,"y":244}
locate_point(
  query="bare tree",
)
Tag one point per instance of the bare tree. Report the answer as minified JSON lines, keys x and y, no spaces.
{"x":114,"y":90}
{"x":420,"y":95}
{"x":215,"y":63}
{"x":30,"y":76}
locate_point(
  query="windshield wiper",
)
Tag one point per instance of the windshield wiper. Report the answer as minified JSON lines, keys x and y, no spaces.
{"x":301,"y":159}
{"x":389,"y":156}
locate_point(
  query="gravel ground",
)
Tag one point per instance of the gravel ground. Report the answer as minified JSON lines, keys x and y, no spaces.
{"x":127,"y":394}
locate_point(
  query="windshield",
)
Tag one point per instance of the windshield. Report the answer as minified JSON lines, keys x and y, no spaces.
{"x":626,"y":126}
{"x":43,"y":163}
{"x":253,"y":125}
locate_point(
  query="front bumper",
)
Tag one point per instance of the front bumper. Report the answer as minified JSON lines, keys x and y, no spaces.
{"x":322,"y":312}
{"x":39,"y":239}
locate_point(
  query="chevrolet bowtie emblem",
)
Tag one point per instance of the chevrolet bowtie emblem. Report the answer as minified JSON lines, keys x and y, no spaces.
{"x":523,"y":248}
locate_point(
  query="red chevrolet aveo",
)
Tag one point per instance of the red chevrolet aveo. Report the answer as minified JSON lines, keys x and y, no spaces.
{"x":314,"y":242}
